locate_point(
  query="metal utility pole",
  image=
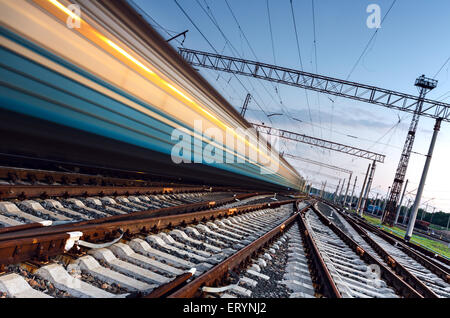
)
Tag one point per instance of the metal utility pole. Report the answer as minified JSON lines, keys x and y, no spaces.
{"x":425,"y":85}
{"x":342,"y":188}
{"x":340,"y":192}
{"x":353,"y":191}
{"x":385,"y":203}
{"x":376,"y":200}
{"x":244,"y":107}
{"x":346,"y":191}
{"x":409,"y":232}
{"x":369,"y":184}
{"x":362,"y":192}
{"x":321,"y":189}
{"x":426,"y":208}
{"x":432,"y":214}
{"x":401,"y":202}
{"x":448,"y":221}
{"x":406,"y":212}
{"x":335,"y":193}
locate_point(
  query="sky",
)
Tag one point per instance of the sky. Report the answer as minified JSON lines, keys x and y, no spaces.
{"x":413,"y":40}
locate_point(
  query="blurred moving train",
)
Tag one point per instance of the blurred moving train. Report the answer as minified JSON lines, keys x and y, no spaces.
{"x":101,"y":87}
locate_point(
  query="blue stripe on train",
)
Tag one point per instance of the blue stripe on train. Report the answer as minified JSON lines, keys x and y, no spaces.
{"x":37,"y":91}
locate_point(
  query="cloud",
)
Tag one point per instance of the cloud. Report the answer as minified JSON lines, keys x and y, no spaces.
{"x":351,"y":117}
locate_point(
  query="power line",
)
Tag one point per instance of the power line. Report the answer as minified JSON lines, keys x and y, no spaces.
{"x":195,"y":25}
{"x":315,"y":59}
{"x":235,"y":51}
{"x":277,"y":88}
{"x":441,"y":67}
{"x":271,"y":33}
{"x":284,"y":109}
{"x":212,"y":46}
{"x":216,"y":24}
{"x":155,"y":23}
{"x":370,"y":41}
{"x":300,"y":59}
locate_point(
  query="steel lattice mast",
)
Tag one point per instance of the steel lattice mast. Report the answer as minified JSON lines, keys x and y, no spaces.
{"x":321,"y":164}
{"x":324,"y":84}
{"x":418,"y":106}
{"x":353,"y":151}
{"x":425,"y":85}
{"x":245,"y":105}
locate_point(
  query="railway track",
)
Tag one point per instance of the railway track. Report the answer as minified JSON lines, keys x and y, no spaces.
{"x":427,"y":277}
{"x":39,"y":197}
{"x":307,"y":260}
{"x":252,"y":248}
{"x":145,"y":263}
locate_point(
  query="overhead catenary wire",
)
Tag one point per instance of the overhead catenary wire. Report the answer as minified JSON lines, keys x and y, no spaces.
{"x":277,"y":88}
{"x":440,"y":69}
{"x":300,"y":59}
{"x":315,"y":59}
{"x":155,"y":23}
{"x":370,"y":41}
{"x":284,"y":109}
{"x":211,"y":16}
{"x":210,"y":44}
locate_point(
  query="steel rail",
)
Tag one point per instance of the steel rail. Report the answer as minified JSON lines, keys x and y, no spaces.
{"x":165,"y":289}
{"x":436,"y":268}
{"x":43,"y":242}
{"x":216,"y":274}
{"x":400,"y":286}
{"x":35,"y":175}
{"x":8,"y":192}
{"x":71,"y":179}
{"x":410,"y":245}
{"x":420,"y":249}
{"x":398,"y":268}
{"x":184,"y":208}
{"x":325,"y":284}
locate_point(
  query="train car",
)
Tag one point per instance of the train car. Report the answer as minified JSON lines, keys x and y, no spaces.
{"x":422,"y":225}
{"x":91,"y":83}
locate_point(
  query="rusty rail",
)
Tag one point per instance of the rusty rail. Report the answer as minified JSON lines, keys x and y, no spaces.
{"x":48,"y":176}
{"x":8,"y":192}
{"x":50,"y":241}
{"x":324,"y":281}
{"x":398,"y":268}
{"x":438,"y":270}
{"x":411,"y":245}
{"x":169,"y":287}
{"x":400,"y":286}
{"x":184,"y":208}
{"x":216,"y":274}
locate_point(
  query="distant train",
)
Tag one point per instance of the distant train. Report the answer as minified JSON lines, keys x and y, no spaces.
{"x":374,"y":209}
{"x":91,"y":82}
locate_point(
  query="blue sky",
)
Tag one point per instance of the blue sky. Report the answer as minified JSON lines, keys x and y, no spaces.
{"x":413,"y":40}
